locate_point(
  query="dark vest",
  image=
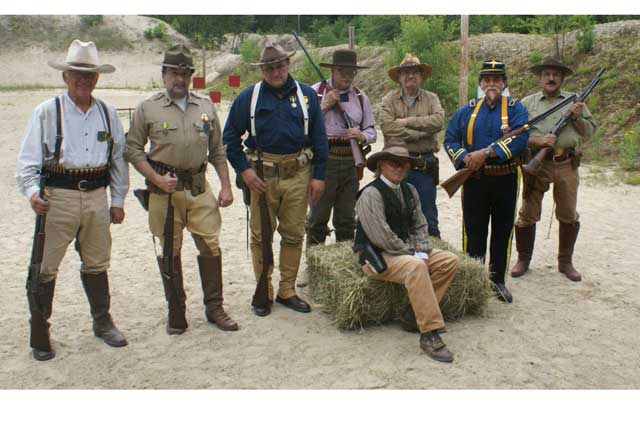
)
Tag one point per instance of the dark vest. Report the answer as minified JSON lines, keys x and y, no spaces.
{"x":399,"y":219}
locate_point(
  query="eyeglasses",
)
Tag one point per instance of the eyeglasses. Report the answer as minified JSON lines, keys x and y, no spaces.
{"x":348,"y":72}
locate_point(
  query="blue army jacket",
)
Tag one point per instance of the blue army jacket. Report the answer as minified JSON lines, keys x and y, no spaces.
{"x":486,"y":132}
{"x":279,"y":125}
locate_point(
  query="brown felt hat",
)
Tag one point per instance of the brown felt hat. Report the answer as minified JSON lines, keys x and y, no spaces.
{"x":271,"y":54}
{"x":398,"y":152}
{"x":550,"y":62}
{"x":178,"y":56}
{"x":410,"y":61}
{"x":343,"y":58}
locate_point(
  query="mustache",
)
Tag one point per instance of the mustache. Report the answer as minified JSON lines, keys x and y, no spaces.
{"x":551,"y":82}
{"x":492,"y":88}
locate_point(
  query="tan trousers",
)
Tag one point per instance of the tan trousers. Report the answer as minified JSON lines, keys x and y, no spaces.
{"x":565,"y":193}
{"x":426,"y":284}
{"x":80,"y":215}
{"x":287,"y":203}
{"x":199,"y":214}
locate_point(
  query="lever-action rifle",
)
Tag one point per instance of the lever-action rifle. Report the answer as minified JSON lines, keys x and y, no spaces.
{"x":358,"y":157}
{"x":167,"y":263}
{"x":261,"y":295}
{"x":454,"y":182}
{"x":37,"y":251}
{"x":534,"y":165}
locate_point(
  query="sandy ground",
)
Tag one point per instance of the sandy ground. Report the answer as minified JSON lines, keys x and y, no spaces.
{"x":557,"y":334}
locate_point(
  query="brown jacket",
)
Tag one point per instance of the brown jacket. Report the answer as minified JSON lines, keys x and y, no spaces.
{"x":416,"y":126}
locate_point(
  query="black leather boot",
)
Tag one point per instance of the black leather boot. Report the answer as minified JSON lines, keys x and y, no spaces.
{"x":40,"y":307}
{"x":177,"y":323}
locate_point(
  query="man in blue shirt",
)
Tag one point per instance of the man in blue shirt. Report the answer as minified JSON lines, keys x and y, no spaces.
{"x":286,"y":130}
{"x":473,"y":140}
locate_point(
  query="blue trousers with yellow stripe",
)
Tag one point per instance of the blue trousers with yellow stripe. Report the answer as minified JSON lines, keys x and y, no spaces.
{"x":490,"y":200}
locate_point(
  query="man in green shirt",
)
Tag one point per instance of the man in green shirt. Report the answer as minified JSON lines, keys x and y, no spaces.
{"x":560,"y":167}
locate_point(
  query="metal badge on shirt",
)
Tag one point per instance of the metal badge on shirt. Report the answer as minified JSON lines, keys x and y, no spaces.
{"x":293,"y":101}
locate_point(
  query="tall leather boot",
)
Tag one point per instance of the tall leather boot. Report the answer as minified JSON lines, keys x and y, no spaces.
{"x":568,"y":237}
{"x":39,"y":334}
{"x":211,"y":278}
{"x":96,"y":286}
{"x":177,"y":322}
{"x":525,"y":239}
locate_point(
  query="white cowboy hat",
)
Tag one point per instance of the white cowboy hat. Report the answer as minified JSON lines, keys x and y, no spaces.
{"x":82,"y":56}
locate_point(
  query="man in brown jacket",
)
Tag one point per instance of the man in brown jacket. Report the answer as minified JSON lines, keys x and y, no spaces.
{"x":412,"y":116}
{"x":185,"y":135}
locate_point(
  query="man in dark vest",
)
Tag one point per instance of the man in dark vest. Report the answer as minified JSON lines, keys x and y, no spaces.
{"x":392,"y":225}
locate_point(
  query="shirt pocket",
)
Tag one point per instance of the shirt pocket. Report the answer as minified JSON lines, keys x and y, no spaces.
{"x":164,"y":132}
{"x":202,"y":131}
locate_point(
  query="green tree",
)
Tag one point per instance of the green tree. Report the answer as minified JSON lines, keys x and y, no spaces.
{"x":424,"y":36}
{"x":377,"y":29}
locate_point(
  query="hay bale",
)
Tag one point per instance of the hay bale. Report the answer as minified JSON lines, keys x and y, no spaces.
{"x":353,"y":301}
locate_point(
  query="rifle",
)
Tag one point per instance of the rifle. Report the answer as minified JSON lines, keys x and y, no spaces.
{"x":534,"y":165}
{"x":261,"y":295}
{"x":37,"y":252}
{"x":358,"y":157}
{"x":456,"y":180}
{"x":167,"y":264}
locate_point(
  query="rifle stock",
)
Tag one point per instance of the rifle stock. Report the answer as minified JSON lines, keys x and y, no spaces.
{"x":534,"y":165}
{"x":261,"y":295}
{"x":167,"y":263}
{"x":356,"y":149}
{"x":456,"y":180}
{"x":37,"y":252}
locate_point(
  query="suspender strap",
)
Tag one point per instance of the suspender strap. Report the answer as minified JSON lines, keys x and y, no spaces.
{"x":472,"y":120}
{"x":105,"y":113}
{"x":254,"y":104}
{"x":56,"y":155}
{"x":504,"y":116}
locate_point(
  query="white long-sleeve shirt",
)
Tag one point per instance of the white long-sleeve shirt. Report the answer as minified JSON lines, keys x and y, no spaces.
{"x":80,"y":145}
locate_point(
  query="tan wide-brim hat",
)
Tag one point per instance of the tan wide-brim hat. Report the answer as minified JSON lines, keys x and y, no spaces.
{"x":82,"y":56}
{"x":550,"y":62}
{"x":410,"y":61}
{"x":397,"y":152}
{"x":272,"y":54}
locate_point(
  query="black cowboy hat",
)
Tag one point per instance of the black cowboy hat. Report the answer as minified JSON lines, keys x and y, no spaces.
{"x":343,"y":58}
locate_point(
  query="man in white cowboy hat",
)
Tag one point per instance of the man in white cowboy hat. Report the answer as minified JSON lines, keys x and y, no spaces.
{"x":413,"y":116}
{"x":342,"y":176}
{"x":286,"y":130}
{"x":391,"y":225}
{"x":77,"y":142}
{"x":473,"y":140}
{"x":560,"y":167}
{"x":184,"y":133}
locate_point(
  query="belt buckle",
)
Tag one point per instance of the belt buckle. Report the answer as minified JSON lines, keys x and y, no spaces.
{"x":82,"y":185}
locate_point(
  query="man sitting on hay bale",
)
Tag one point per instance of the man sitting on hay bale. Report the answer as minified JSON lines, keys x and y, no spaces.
{"x":392,"y":243}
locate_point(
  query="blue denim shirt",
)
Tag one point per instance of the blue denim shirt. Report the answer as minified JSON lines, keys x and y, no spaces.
{"x":279,"y":125}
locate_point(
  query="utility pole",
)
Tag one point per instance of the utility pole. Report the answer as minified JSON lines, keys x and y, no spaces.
{"x":352,"y":36}
{"x":464,"y":59}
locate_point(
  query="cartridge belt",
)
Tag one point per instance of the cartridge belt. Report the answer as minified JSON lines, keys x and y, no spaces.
{"x":187,"y":178}
{"x":500,"y":170}
{"x":82,"y":179}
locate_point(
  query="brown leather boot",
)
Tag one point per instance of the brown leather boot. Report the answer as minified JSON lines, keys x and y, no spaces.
{"x":568,"y":237}
{"x":211,"y":278}
{"x":39,"y":335}
{"x":96,"y":286}
{"x":525,"y":238}
{"x":177,"y":323}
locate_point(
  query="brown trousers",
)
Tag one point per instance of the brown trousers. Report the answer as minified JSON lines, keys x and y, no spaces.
{"x":287,"y":203}
{"x":426,"y":283}
{"x":565,"y":181}
{"x":83,"y":216}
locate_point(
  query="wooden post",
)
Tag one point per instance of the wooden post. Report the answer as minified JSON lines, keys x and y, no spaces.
{"x":204,"y":65}
{"x":464,"y":59}
{"x":352,"y":36}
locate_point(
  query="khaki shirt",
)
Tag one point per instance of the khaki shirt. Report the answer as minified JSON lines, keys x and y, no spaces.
{"x":425,"y":120}
{"x":178,"y":138}
{"x":568,"y":137}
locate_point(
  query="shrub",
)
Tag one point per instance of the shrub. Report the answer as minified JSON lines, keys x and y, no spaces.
{"x":159,"y":32}
{"x":250,"y":50}
{"x":630,"y":149}
{"x":535,"y":57}
{"x":88,"y":21}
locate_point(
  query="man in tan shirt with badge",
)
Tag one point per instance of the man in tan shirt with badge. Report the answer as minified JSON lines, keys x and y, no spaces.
{"x":184,"y":131}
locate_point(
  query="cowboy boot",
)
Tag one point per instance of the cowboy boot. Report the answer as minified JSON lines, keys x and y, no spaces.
{"x":525,"y":238}
{"x":96,"y":286}
{"x":211,"y":278}
{"x":177,"y":322}
{"x":568,"y":237}
{"x":39,"y":334}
